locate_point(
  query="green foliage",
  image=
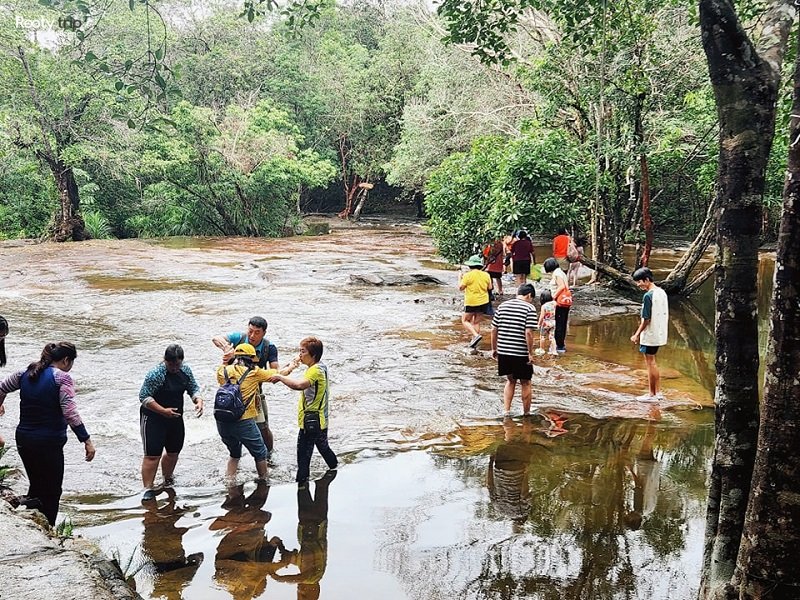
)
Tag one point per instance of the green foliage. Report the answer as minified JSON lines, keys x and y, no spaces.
{"x":65,"y":528}
{"x":26,"y":198}
{"x":5,"y":470}
{"x":539,"y":182}
{"x":97,"y":225}
{"x":237,"y":173}
{"x":460,"y":198}
{"x":545,"y":183}
{"x":131,"y":564}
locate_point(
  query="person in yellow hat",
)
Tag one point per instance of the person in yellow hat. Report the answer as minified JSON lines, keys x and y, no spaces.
{"x":476,"y":285}
{"x":244,"y":432}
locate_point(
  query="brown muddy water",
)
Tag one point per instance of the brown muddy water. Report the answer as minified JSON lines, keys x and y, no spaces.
{"x":437,"y":497}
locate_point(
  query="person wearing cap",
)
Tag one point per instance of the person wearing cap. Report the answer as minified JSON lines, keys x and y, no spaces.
{"x":267,"y":357}
{"x":514,"y":344}
{"x":476,"y":284}
{"x":245,"y":432}
{"x":161,"y":416}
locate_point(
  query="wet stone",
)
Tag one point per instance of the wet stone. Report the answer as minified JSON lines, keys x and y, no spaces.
{"x":393,"y":280}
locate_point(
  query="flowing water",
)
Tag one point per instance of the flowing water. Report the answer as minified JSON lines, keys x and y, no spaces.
{"x":438,"y":496}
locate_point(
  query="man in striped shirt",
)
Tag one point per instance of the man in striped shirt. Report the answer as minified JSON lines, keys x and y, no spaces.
{"x":513,"y":345}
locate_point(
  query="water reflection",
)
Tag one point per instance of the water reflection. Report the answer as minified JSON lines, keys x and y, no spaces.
{"x":244,"y":555}
{"x":589,"y":509}
{"x":311,"y":558}
{"x":162,"y":547}
{"x":507,"y":477}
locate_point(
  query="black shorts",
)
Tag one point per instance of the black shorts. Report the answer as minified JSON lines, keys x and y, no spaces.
{"x":159,"y":433}
{"x":522,"y":267}
{"x":495,"y":274}
{"x":483,"y":309}
{"x":648,"y":349}
{"x":515,"y":366}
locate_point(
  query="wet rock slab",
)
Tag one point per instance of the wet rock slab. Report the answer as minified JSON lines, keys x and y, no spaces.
{"x":593,"y":302}
{"x":36,"y":566}
{"x":411,"y":279}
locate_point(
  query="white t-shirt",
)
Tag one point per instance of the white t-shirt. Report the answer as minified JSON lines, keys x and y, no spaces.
{"x":655,"y":307}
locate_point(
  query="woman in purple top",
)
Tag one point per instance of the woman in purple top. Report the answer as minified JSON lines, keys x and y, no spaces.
{"x":522,"y":257}
{"x":46,"y":407}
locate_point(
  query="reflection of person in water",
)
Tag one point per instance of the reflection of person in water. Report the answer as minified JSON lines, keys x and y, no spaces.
{"x":244,"y":555}
{"x":163,"y":548}
{"x":507,"y":478}
{"x":646,"y":473}
{"x":312,"y":533}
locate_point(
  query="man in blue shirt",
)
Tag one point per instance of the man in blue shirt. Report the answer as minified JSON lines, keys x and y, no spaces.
{"x":267,"y":359}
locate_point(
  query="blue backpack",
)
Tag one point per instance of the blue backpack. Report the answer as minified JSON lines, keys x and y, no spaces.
{"x":228,"y":403}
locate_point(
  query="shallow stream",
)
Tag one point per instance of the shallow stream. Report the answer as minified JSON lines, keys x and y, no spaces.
{"x":438,"y":496}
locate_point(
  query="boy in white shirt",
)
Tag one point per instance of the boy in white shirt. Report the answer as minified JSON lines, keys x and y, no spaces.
{"x":652,"y":331}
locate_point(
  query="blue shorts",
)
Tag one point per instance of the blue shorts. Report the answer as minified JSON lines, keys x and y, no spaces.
{"x":235,"y":435}
{"x":648,"y":349}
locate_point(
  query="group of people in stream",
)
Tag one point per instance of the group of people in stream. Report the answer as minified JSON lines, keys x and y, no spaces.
{"x":514,"y":322}
{"x":47,"y":407}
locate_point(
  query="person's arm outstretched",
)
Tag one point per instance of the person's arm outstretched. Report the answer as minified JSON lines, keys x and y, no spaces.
{"x":299,"y":383}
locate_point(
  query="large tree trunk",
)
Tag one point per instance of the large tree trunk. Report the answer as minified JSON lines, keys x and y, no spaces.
{"x":68,"y":223}
{"x":745,"y":84}
{"x":676,"y":280}
{"x":768,"y":557}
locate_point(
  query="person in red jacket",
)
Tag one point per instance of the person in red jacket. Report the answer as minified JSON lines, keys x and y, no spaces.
{"x":493,"y":260}
{"x":560,"y":248}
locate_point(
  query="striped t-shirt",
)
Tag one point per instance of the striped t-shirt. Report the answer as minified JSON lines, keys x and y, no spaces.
{"x":511,"y":320}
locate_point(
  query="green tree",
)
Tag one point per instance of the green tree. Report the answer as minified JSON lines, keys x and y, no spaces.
{"x":236,"y":173}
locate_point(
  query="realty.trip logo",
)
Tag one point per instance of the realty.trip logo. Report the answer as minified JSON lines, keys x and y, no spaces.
{"x":43,"y":23}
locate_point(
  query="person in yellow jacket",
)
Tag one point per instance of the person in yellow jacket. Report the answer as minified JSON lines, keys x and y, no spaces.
{"x":244,"y":432}
{"x":476,"y":285}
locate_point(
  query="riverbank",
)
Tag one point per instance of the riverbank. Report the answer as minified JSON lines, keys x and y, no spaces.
{"x":37,"y":565}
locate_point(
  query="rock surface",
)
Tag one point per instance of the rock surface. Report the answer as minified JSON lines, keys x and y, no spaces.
{"x":411,"y":279}
{"x":35,"y":565}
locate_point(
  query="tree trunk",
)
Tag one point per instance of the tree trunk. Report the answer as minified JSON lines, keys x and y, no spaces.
{"x":362,"y":199}
{"x":647,"y":222}
{"x":745,"y":85}
{"x":768,"y":558}
{"x":350,"y":191}
{"x":68,"y":223}
{"x":676,"y":280}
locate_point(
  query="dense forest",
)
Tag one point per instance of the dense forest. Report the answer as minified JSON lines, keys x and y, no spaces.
{"x":183,"y":118}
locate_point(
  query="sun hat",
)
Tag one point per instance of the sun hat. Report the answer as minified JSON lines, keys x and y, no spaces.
{"x":474,"y":261}
{"x":245,"y":351}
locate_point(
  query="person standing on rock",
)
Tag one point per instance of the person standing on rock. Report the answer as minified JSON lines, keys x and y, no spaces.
{"x":267,"y":358}
{"x":494,"y":256}
{"x":46,"y":407}
{"x":561,"y":248}
{"x":563,"y":297}
{"x":476,"y":285}
{"x":522,"y":257}
{"x":161,"y":416}
{"x":513,"y":345}
{"x":652,"y":331}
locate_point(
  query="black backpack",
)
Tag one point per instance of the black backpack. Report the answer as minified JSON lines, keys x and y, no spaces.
{"x":228,"y":403}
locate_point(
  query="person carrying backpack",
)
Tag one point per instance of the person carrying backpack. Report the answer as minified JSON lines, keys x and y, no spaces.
{"x":240,"y":383}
